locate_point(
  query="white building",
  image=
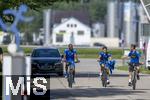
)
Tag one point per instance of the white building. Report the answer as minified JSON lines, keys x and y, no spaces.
{"x":71,"y":30}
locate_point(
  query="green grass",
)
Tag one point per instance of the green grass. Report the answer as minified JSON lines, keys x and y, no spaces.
{"x":93,"y":52}
{"x":142,"y":69}
{"x":82,"y":52}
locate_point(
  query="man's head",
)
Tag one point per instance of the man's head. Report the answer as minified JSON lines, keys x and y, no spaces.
{"x":104,"y":49}
{"x":70,"y":46}
{"x":133,"y":46}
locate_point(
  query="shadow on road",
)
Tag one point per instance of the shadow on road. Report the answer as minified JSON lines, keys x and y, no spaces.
{"x":92,"y":74}
{"x":90,"y":92}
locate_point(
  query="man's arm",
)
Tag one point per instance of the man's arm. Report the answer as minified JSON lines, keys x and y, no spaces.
{"x":110,"y":58}
{"x":64,"y":58}
{"x":1,"y":58}
{"x":1,"y":55}
{"x":127,"y":56}
{"x":75,"y":55}
{"x":99,"y":58}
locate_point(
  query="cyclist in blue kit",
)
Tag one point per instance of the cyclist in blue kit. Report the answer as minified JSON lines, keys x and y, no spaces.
{"x":70,"y":56}
{"x":134,"y":56}
{"x":103,"y":59}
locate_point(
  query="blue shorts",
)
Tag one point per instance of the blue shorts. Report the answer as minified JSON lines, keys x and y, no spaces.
{"x":100,"y":63}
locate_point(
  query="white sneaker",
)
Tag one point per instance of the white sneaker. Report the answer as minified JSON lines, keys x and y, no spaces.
{"x":66,"y":75}
{"x":99,"y":77}
{"x":108,"y":82}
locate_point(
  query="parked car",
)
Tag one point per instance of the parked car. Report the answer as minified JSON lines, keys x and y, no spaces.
{"x":99,"y":45}
{"x":45,"y":60}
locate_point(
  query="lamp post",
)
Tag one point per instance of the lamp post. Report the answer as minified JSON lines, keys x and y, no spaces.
{"x":47,"y":26}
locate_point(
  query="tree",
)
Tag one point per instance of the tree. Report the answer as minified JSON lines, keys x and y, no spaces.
{"x":98,"y":9}
{"x":32,"y":4}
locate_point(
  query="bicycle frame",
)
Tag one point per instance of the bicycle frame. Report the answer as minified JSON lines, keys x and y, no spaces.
{"x":70,"y":75}
{"x":104,"y":75}
{"x":134,"y":75}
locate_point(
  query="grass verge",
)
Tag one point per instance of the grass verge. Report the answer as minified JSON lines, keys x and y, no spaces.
{"x":82,"y":52}
{"x":142,"y":69}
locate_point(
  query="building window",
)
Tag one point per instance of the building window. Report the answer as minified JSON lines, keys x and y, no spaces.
{"x":71,"y":25}
{"x":75,"y":25}
{"x":59,"y":37}
{"x":80,"y":32}
{"x":68,"y":25}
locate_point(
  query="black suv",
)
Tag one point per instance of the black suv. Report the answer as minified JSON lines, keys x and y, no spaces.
{"x":45,"y":61}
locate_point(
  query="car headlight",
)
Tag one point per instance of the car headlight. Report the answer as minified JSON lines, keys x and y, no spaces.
{"x":58,"y":64}
{"x":35,"y":64}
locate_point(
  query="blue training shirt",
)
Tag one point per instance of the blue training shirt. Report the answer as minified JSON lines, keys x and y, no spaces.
{"x":104,"y":57}
{"x":70,"y":54}
{"x":134,"y":56}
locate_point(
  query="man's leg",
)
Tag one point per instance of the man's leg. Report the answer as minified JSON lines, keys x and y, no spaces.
{"x":100,"y":70}
{"x":73,"y":73}
{"x":108,"y":76}
{"x":130,"y":73}
{"x":138,"y":71}
{"x":66,"y":69}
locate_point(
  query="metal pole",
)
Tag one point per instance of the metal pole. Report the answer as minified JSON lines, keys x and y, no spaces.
{"x":18,"y":70}
{"x":47,"y":26}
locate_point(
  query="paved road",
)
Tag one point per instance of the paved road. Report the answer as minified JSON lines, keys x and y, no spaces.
{"x":88,"y":86}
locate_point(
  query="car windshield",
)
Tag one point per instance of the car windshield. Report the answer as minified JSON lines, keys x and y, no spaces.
{"x":46,"y":53}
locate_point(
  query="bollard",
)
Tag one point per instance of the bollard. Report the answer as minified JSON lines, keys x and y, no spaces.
{"x":18,"y":70}
{"x":15,"y":66}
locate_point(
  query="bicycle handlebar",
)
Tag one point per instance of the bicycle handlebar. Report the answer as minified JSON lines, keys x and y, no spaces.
{"x":134,"y":64}
{"x":78,"y":61}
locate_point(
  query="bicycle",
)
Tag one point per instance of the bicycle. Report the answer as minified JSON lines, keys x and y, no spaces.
{"x":134,"y":74}
{"x":70,"y":76}
{"x":104,"y":75}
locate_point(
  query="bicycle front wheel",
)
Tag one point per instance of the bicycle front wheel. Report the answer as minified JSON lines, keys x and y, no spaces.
{"x":70,"y":79}
{"x":104,"y":78}
{"x":134,"y":80}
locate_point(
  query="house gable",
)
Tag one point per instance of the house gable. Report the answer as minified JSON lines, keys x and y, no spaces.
{"x":69,"y":20}
{"x":82,"y":15}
